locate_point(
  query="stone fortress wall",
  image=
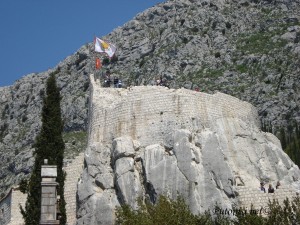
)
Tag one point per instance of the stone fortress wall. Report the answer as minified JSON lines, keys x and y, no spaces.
{"x":260,"y":200}
{"x":10,"y":203}
{"x":136,"y":111}
{"x":73,"y":170}
{"x":18,"y":198}
{"x":117,"y":112}
{"x":10,"y":207}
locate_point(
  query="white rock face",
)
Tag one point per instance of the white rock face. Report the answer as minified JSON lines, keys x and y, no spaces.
{"x":148,"y":140}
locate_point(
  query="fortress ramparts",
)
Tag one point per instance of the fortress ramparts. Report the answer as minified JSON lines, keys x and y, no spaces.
{"x":146,"y":111}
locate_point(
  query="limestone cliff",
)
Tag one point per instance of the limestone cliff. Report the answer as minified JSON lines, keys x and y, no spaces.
{"x":150,"y":140}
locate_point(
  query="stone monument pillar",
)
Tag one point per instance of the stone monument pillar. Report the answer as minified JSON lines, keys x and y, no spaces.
{"x":49,"y":196}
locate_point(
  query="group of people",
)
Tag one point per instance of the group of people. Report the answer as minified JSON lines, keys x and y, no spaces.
{"x":161,"y":82}
{"x":115,"y":80}
{"x":270,"y":189}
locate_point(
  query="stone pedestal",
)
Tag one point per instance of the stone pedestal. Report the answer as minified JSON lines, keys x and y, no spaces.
{"x":49,"y":195}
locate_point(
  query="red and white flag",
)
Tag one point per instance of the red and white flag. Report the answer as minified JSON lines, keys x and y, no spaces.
{"x":104,"y":47}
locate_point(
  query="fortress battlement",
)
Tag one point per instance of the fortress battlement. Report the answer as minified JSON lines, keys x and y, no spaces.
{"x":143,"y":111}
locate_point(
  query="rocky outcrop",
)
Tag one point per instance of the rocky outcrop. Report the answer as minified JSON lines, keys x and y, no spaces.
{"x":147,"y":141}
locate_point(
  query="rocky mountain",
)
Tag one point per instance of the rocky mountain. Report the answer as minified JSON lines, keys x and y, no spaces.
{"x":249,"y":49}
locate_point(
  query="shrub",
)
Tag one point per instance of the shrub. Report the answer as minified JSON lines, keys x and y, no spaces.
{"x":24,"y":118}
{"x":105,"y":61}
{"x":217,"y":55}
{"x":214,"y":25}
{"x":166,"y":212}
{"x":185,"y":40}
{"x":195,"y":29}
{"x":228,"y":25}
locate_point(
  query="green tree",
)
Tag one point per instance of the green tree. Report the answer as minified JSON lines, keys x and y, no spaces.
{"x":48,"y":145}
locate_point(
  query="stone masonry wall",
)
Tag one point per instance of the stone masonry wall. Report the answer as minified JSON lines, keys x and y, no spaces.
{"x":136,"y":108}
{"x":73,"y":173}
{"x":260,"y":200}
{"x":18,"y":198}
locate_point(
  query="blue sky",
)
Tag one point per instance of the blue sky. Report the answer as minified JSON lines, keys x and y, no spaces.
{"x":36,"y":35}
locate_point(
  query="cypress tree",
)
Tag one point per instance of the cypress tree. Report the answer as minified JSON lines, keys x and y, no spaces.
{"x":48,"y":145}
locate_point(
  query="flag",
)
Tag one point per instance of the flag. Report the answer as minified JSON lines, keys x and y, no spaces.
{"x":106,"y":47}
{"x":98,"y":63}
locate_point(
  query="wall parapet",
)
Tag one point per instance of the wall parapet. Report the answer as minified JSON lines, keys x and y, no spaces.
{"x":116,"y":112}
{"x":260,"y":200}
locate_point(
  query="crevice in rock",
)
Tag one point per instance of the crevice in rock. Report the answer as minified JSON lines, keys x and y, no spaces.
{"x":100,"y":185}
{"x":148,"y":187}
{"x":150,"y":191}
{"x":81,"y":203}
{"x":180,"y":169}
{"x":241,"y":135}
{"x":214,"y":176}
{"x":229,"y":195}
{"x":118,"y":192}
